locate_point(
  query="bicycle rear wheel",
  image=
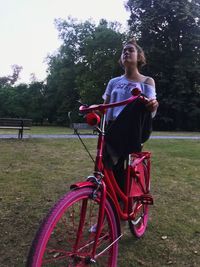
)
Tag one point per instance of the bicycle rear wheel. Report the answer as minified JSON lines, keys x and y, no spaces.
{"x":67,"y":234}
{"x":139,"y":224}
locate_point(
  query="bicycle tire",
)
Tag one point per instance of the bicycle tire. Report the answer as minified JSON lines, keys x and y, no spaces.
{"x":139,"y":228}
{"x":55,"y":246}
{"x":139,"y":224}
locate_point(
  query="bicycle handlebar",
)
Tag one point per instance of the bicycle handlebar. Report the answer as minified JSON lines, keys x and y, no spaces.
{"x":102,"y":107}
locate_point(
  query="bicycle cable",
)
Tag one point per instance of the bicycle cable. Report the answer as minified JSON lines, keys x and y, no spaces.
{"x":76,"y":132}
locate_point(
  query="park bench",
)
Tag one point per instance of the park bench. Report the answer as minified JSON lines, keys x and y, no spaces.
{"x":83,"y":126}
{"x":16,"y":124}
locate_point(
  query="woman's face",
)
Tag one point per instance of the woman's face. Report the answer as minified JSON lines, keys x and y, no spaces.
{"x":129,"y":55}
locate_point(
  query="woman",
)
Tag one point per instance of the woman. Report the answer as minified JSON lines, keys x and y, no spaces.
{"x":119,"y":88}
{"x":128,"y":126}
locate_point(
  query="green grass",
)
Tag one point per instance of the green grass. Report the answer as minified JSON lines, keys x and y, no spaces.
{"x":177,"y":133}
{"x":35,"y":173}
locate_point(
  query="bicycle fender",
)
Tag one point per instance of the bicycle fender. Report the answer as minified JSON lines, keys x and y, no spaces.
{"x":82,"y":184}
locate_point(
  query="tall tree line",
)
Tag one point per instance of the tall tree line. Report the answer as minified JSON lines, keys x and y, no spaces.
{"x":169,"y":32}
{"x":23,"y":100}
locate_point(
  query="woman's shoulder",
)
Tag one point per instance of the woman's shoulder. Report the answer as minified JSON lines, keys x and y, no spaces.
{"x":149,"y":88}
{"x":149,"y":80}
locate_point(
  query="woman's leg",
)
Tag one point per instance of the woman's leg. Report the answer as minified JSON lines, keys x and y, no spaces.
{"x":119,"y":173}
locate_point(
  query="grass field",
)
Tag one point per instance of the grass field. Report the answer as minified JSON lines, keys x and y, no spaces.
{"x":35,"y":172}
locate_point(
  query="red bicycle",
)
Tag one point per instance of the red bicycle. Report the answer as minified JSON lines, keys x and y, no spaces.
{"x":83,"y":228}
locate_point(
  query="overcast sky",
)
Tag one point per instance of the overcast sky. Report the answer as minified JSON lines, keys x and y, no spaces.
{"x":28,"y":33}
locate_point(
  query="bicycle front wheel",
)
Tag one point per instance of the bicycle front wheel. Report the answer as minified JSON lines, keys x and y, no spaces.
{"x":66,"y":236}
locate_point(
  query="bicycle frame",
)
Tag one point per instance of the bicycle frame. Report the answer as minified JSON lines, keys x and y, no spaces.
{"x":111,"y":185}
{"x":104,"y":180}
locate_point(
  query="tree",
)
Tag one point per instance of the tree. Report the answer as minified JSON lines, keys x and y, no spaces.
{"x":36,"y":110}
{"x":82,"y":66}
{"x":101,"y":52}
{"x":170,"y":34}
{"x":9,"y":96}
{"x":11,"y":79}
{"x":25,"y":101}
{"x":14,"y":101}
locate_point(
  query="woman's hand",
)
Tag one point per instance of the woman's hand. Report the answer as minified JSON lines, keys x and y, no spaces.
{"x":152,"y":105}
{"x":96,"y":111}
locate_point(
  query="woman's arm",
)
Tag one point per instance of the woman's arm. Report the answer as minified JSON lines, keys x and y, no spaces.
{"x":107,"y":100}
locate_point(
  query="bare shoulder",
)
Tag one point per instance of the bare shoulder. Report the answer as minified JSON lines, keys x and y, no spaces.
{"x":150,"y":81}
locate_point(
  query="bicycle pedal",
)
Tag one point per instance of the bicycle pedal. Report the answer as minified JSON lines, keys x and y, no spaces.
{"x":144,"y":199}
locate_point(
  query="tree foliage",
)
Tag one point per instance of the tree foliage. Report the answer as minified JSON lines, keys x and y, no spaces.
{"x":169,"y":32}
{"x":11,"y":79}
{"x":83,"y":65}
{"x":23,"y":101}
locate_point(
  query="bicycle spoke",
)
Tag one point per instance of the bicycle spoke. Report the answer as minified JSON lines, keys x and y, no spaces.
{"x":81,"y":223}
{"x":99,"y":254}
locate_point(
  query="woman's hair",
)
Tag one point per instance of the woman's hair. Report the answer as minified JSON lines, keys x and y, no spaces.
{"x":142,"y":58}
